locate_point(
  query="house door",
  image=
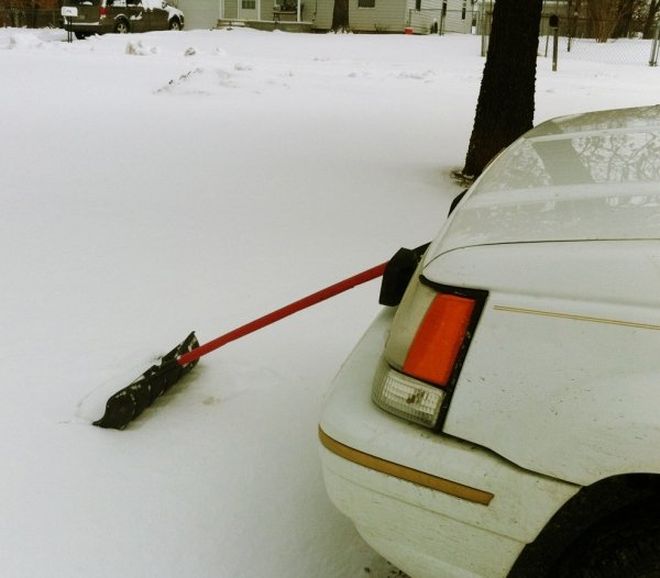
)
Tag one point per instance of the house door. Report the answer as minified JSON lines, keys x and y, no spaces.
{"x":249,"y":9}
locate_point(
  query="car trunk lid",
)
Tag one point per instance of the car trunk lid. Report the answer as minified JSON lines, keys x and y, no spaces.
{"x":88,"y":11}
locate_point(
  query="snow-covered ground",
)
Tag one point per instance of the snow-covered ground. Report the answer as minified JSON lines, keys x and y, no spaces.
{"x":165,"y":182}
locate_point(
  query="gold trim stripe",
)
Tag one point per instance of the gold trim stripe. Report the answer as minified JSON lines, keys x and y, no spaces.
{"x":558,"y":315}
{"x":404,"y":473}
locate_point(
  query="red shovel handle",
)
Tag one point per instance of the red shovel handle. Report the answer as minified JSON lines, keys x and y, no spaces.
{"x":283,"y":312}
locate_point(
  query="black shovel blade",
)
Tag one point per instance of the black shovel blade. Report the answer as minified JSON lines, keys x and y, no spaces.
{"x":130,"y":402}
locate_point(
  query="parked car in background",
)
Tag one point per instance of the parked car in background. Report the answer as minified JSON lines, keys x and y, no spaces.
{"x":86,"y":17}
{"x":503,"y":420}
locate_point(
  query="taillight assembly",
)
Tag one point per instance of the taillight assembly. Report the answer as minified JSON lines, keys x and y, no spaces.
{"x":437,"y":343}
{"x":103,"y":12}
{"x":428,"y":343}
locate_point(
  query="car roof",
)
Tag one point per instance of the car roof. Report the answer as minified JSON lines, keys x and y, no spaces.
{"x":590,"y":176}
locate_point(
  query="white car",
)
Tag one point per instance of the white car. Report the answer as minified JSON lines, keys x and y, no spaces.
{"x":504,"y":419}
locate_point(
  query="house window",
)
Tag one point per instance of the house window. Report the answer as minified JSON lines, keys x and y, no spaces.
{"x":418,"y":5}
{"x":366,"y":3}
{"x":248,"y":4}
{"x":464,"y":10}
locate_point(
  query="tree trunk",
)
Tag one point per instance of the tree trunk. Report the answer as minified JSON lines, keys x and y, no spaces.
{"x":604,"y":16}
{"x":340,"y":15}
{"x":624,"y":19}
{"x":575,"y":18}
{"x":505,"y":108}
{"x":650,"y":24}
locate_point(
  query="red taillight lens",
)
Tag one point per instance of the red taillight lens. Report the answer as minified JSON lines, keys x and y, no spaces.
{"x":428,"y":342}
{"x":437,"y":343}
{"x":103,"y":11}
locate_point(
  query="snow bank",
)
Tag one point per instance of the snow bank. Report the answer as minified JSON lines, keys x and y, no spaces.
{"x":138,"y":49}
{"x":24,"y":40}
{"x":152,"y":196}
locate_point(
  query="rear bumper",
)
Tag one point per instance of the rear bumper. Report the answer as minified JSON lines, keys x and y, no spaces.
{"x":433,"y":505}
{"x":86,"y":27}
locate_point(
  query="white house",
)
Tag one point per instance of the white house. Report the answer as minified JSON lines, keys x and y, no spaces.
{"x":398,"y":16}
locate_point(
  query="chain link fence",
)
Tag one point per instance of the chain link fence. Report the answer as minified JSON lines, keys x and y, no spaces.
{"x":442,"y":20}
{"x":30,"y":15}
{"x":594,"y":40}
{"x":585,"y":39}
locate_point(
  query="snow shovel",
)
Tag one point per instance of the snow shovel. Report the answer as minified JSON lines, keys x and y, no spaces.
{"x":130,"y":402}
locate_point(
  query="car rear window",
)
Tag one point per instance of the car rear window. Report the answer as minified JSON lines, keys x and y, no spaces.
{"x":615,"y":156}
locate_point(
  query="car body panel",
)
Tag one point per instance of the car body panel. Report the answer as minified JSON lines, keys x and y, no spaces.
{"x":86,"y":15}
{"x":158,"y":19}
{"x":141,"y":15}
{"x":506,"y":523}
{"x":556,"y":387}
{"x":423,"y":543}
{"x":552,"y":356}
{"x":580,"y":261}
{"x":138,"y":15}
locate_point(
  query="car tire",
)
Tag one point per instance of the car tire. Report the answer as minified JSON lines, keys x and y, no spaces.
{"x":122,"y":26}
{"x":81,"y":35}
{"x":175,"y":24}
{"x":625,"y":548}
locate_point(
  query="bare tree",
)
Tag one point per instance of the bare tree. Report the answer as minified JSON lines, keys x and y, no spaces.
{"x":625,"y":13}
{"x":32,"y":13}
{"x":340,"y":15}
{"x":603,"y":16}
{"x":651,"y":18}
{"x":505,"y":108}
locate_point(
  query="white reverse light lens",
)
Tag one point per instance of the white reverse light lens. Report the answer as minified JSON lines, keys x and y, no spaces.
{"x":406,"y":397}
